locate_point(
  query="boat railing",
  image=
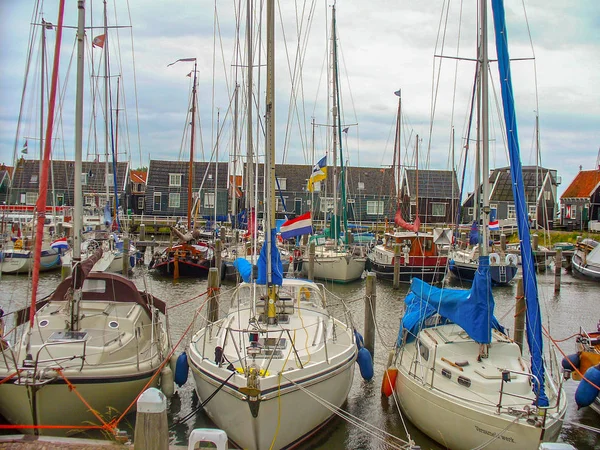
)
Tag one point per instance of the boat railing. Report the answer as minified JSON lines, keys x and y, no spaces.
{"x":32,"y":366}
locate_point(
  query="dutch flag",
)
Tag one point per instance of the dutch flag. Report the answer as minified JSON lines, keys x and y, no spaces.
{"x":297,"y":227}
{"x":494,"y":225}
{"x":60,"y":244}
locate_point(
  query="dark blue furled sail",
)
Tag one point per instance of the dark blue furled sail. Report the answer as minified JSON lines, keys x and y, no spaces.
{"x":534,"y":318}
{"x":472,"y":310}
{"x":276,"y":266}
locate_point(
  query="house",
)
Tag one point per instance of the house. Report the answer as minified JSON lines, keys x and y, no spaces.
{"x":437,"y":192}
{"x":5,"y":183}
{"x":97,"y":179}
{"x":167,"y":188}
{"x":136,"y":191}
{"x":580,"y":203}
{"x":540,"y":185}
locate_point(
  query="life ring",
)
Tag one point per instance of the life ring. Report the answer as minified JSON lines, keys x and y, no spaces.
{"x":495,"y":259}
{"x":511,"y":260}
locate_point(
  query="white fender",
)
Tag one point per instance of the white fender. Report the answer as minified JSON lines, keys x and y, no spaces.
{"x":495,"y":259}
{"x":511,"y":260}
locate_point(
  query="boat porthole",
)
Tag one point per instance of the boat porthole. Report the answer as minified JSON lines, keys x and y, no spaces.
{"x":446,"y":373}
{"x":43,"y":323}
{"x":464,"y":381}
{"x":113,"y":324}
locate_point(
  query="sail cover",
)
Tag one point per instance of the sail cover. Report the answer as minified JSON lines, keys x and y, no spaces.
{"x":533,"y":317}
{"x":472,"y":310}
{"x":276,"y":266}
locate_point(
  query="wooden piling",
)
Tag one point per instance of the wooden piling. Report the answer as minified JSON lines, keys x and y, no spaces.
{"x":397,"y":252}
{"x":151,"y":425}
{"x":557,"y":269}
{"x":125,"y":256}
{"x":218,"y":256}
{"x":142,"y":235}
{"x":503,"y":242}
{"x":520,"y":315}
{"x":311,"y":261}
{"x":370,"y":309}
{"x":535,"y":242}
{"x":350,"y":238}
{"x":213,"y":292}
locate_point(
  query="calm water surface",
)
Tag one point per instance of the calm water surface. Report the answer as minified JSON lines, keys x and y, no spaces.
{"x":577,"y":305}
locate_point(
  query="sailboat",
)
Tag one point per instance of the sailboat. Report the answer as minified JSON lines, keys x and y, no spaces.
{"x":419,"y":256}
{"x":459,"y":377}
{"x":278,"y":365}
{"x":332,"y":261}
{"x":192,"y":256}
{"x":96,"y":342}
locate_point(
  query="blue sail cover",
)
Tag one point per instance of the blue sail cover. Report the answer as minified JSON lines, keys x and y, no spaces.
{"x":276,"y":266}
{"x":474,"y":234}
{"x":244,"y":268}
{"x":472,"y":310}
{"x":533,"y":315}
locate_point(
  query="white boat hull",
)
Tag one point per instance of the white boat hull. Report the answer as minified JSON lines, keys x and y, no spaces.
{"x":21,"y":261}
{"x":337,"y":268}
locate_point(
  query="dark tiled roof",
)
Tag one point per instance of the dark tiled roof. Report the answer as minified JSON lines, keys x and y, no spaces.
{"x":159,"y":171}
{"x":502,"y":183}
{"x":584,"y":184}
{"x":432,"y":183}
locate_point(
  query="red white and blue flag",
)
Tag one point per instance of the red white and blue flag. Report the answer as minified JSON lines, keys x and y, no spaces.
{"x":494,"y":225}
{"x":60,"y":244}
{"x":297,"y":227}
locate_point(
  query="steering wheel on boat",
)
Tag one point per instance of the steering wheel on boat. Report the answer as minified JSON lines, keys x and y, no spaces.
{"x":92,"y":245}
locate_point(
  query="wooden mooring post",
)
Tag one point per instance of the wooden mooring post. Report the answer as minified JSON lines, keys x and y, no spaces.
{"x":151,"y":424}
{"x":125,"y":256}
{"x":213,"y":292}
{"x":520,"y":314}
{"x":396,"y":283}
{"x":370,"y":309}
{"x":311,"y":261}
{"x":218,"y":256}
{"x":557,"y":269}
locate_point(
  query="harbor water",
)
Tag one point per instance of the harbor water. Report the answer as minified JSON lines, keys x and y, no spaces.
{"x":576,"y":305}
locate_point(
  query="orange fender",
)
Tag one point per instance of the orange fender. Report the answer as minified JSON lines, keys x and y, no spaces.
{"x":389,"y":381}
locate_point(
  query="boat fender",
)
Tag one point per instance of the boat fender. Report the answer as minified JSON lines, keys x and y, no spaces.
{"x":173,"y":362}
{"x":495,"y":259}
{"x":167,"y":381}
{"x":586,"y":391}
{"x":223,"y":270}
{"x":365,"y":363}
{"x":181,"y":369}
{"x":571,"y":360}
{"x":511,"y":260}
{"x":360,"y":342}
{"x":389,"y":381}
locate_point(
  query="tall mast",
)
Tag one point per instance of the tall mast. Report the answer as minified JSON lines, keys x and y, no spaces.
{"x":249,"y":137}
{"x":191,"y":166}
{"x":334,"y":112}
{"x":270,"y":137}
{"x":42,"y":89}
{"x":235,"y":156}
{"x":398,"y":148}
{"x":483,"y":251}
{"x":217,"y":168}
{"x":106,"y":106}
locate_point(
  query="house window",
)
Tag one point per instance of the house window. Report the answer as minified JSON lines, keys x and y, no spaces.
{"x":438,"y":209}
{"x":573,"y":211}
{"x":174,"y":200}
{"x":374,"y":208}
{"x":511,"y":212}
{"x":138,"y":187}
{"x":175,"y":179}
{"x":31,"y":198}
{"x":157,"y":201}
{"x":90,"y":200}
{"x":361,"y":186}
{"x":22,"y":201}
{"x":279,"y":204}
{"x":84,"y":179}
{"x":141,"y":203}
{"x":209,"y":199}
{"x":326,"y":204}
{"x":532,"y":211}
{"x":34,"y":178}
{"x":282,"y":183}
{"x":470,"y":211}
{"x":317,"y":186}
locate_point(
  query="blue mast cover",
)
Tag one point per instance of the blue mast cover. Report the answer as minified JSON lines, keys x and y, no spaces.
{"x":533,"y":315}
{"x":276,"y":266}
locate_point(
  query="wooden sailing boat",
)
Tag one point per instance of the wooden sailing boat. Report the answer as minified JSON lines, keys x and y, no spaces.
{"x":460,"y":378}
{"x":279,"y":364}
{"x":333,"y":261}
{"x":419,"y":254}
{"x":97,"y":342}
{"x":192,"y":256}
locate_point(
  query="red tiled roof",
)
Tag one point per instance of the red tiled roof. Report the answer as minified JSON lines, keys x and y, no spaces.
{"x":138,"y":176}
{"x":583,"y":185}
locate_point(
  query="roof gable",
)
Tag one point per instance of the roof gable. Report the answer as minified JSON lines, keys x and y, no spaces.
{"x":584,"y":184}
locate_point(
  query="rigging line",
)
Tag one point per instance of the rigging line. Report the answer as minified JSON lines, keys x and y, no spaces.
{"x":458,"y":38}
{"x":135,"y":89}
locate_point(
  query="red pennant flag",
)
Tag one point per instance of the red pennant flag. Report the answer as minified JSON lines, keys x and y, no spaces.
{"x":99,"y":41}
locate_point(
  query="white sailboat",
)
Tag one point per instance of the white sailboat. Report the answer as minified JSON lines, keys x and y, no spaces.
{"x":458,"y":377}
{"x":335,"y":262}
{"x":89,"y":349}
{"x":275,"y":368}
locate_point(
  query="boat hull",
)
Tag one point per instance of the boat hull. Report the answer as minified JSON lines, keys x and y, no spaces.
{"x":339,"y":269}
{"x":430,"y":274}
{"x":230,"y":411}
{"x":15,"y":261}
{"x":583,"y":270}
{"x":186,"y":268}
{"x":501,"y":274}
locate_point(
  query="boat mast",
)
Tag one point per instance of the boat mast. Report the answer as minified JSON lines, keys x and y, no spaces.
{"x":235,"y":156}
{"x":249,"y":152}
{"x":483,"y":251}
{"x":42,"y":87}
{"x":334,"y":111}
{"x":397,"y":162}
{"x":217,"y":169}
{"x":192,"y":136}
{"x":106,"y":106}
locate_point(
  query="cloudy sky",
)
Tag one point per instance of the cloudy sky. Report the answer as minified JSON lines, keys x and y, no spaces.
{"x":383,"y":46}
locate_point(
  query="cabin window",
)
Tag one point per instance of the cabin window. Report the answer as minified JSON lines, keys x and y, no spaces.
{"x":447,"y":373}
{"x":464,"y":381}
{"x":90,"y":285}
{"x":209,"y":199}
{"x":374,"y":208}
{"x":282,"y":183}
{"x":175,"y":179}
{"x":174,"y":200}
{"x":511,"y":212}
{"x":31,"y":198}
{"x":423,"y":351}
{"x":438,"y":209}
